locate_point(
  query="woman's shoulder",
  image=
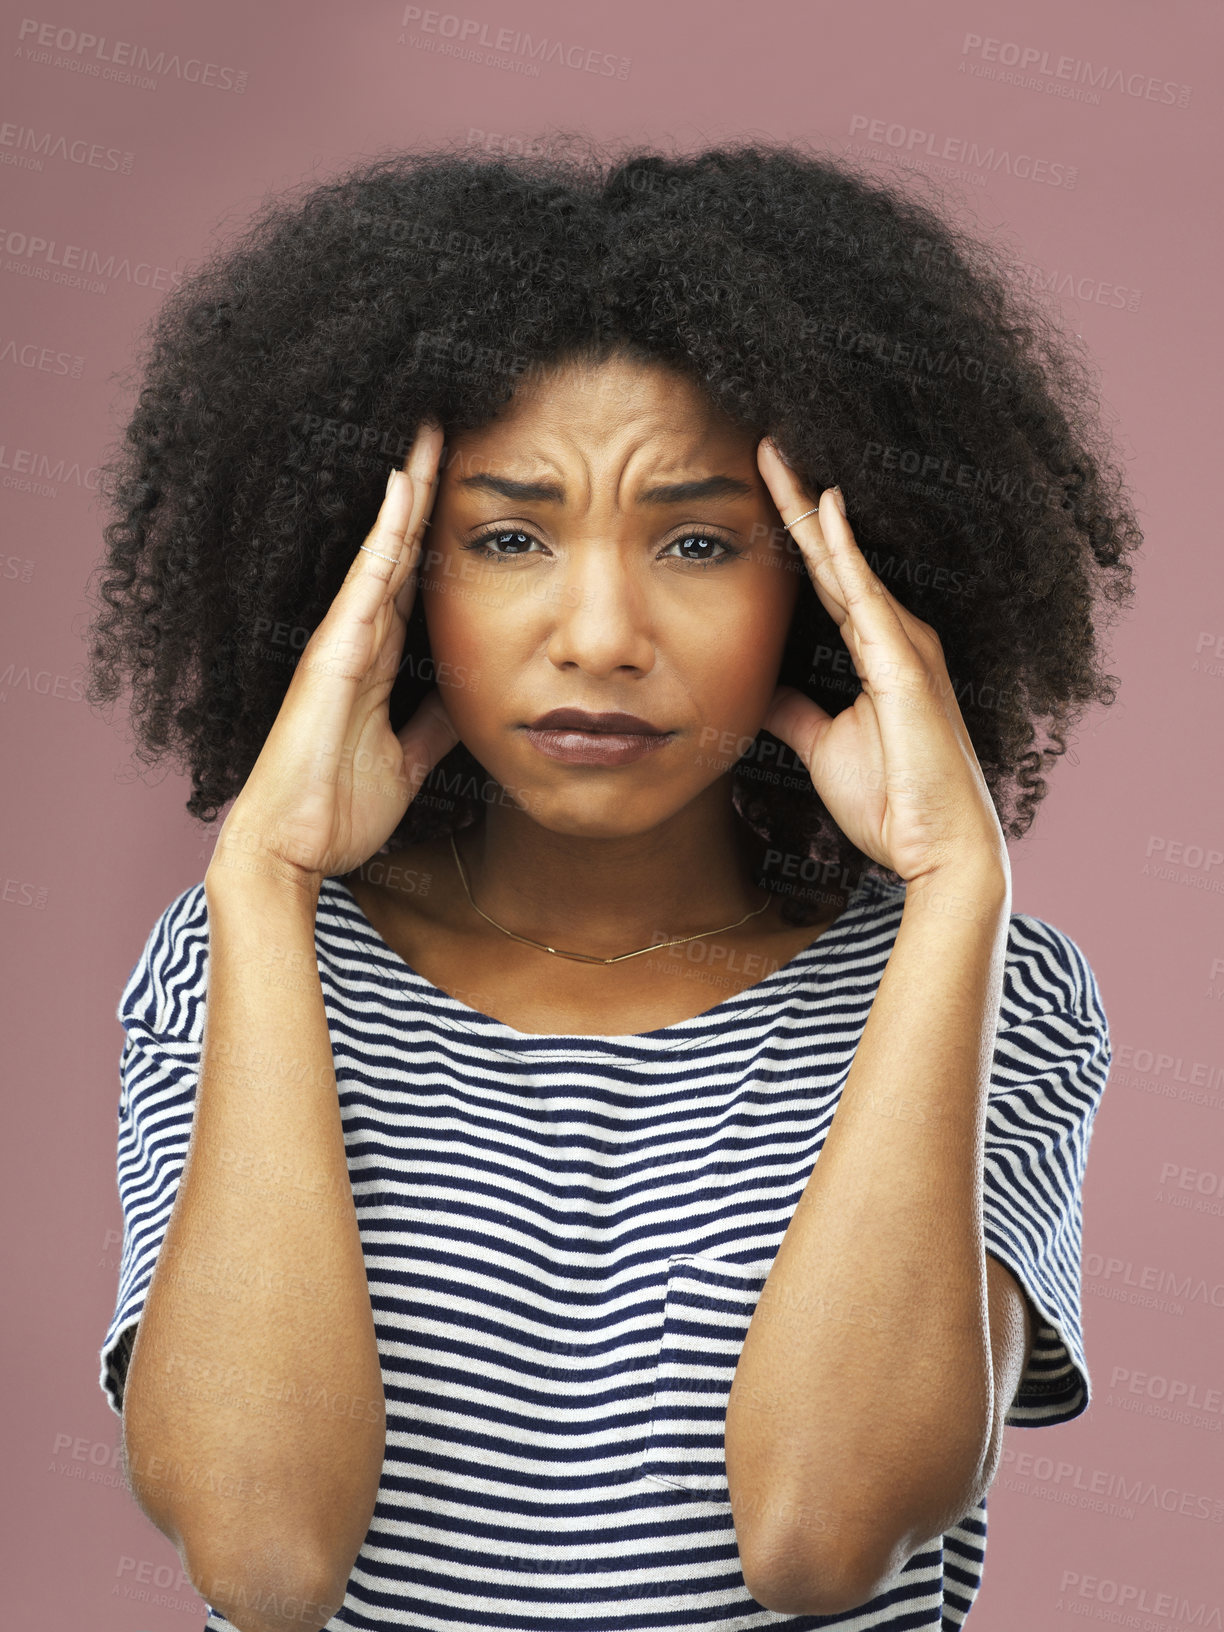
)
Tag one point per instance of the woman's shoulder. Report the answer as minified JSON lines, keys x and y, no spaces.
{"x":171,"y":964}
{"x":1048,"y":972}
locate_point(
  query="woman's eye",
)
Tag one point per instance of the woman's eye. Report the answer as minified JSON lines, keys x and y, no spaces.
{"x":503,"y":535}
{"x":704,"y":541}
{"x":506,"y":543}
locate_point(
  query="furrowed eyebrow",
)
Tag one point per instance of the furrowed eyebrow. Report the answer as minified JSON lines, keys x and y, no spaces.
{"x":708,"y":487}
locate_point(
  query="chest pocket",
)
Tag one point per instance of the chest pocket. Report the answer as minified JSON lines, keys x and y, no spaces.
{"x":706,"y":1314}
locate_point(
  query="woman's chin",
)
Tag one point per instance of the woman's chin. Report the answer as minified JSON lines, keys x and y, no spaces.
{"x":610,"y":813}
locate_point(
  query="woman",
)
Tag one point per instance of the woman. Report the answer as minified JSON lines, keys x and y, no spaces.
{"x":631,"y":1169}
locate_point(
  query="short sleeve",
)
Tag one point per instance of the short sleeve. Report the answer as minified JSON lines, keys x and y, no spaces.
{"x":162,"y":1013}
{"x":1051,"y":1062}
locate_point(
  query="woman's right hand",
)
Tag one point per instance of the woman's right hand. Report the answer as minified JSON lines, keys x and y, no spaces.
{"x":333,"y":780}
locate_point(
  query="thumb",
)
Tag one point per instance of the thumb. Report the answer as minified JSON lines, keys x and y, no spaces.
{"x":796,"y":720}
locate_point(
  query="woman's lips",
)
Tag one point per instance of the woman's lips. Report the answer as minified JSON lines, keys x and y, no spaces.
{"x":595,"y":747}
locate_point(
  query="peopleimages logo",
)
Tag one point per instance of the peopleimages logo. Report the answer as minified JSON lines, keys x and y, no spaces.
{"x":123,"y":61}
{"x":32,"y":146}
{"x":28,"y":469}
{"x":1074,"y":70}
{"x":964,"y":150}
{"x":470,"y":38}
{"x":1094,"y":291}
{"x":1134,"y":1597}
{"x":46,"y":359}
{"x":78,"y":266}
{"x":1176,"y":1391}
{"x":1059,"y":1478}
{"x":1155,"y":1278}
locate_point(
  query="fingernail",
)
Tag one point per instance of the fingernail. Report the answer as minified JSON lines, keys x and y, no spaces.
{"x":390,"y":480}
{"x":838,"y":500}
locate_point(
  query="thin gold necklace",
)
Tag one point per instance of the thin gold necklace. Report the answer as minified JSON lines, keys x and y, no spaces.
{"x":586,"y":957}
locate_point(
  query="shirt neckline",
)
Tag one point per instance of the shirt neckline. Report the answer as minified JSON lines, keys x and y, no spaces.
{"x":677,"y":1035}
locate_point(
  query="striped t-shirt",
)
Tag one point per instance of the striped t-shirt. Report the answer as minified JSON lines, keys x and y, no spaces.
{"x":565,"y":1238}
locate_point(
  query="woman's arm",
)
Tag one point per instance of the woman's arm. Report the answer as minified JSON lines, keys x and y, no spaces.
{"x":863,"y":1419}
{"x":256,"y":1363}
{"x":254,"y":1421}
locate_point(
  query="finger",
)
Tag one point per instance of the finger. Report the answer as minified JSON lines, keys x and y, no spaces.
{"x":401,"y":516}
{"x":422,"y":471}
{"x":338,"y":658}
{"x":384,"y":567}
{"x":848,"y":560}
{"x":879,"y":626}
{"x":791,"y":500}
{"x":402,"y":522}
{"x":797,"y":721}
{"x":903,"y":675}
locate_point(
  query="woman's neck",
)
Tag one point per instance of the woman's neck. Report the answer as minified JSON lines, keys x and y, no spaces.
{"x":601,"y":895}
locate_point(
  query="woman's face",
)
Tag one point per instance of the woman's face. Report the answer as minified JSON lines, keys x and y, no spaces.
{"x":597,"y":592}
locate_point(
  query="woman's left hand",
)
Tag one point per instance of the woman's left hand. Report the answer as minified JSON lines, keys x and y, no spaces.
{"x":896,"y":770}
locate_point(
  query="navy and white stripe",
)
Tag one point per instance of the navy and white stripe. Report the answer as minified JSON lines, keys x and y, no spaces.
{"x":565,"y":1238}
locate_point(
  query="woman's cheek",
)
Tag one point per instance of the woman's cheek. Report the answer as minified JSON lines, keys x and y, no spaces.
{"x":473,"y":653}
{"x":454,"y":636}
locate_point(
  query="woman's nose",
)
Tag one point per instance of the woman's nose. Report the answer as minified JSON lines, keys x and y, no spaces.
{"x":600,"y":619}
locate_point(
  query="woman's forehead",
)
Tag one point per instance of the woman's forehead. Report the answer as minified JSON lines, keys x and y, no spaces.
{"x":608,"y":417}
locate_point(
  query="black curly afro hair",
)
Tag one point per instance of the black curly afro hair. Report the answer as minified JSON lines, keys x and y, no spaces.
{"x":882,"y":347}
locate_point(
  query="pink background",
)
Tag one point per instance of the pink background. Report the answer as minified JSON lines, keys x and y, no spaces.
{"x":93,"y":853}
